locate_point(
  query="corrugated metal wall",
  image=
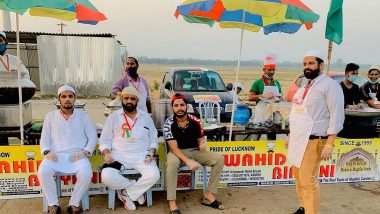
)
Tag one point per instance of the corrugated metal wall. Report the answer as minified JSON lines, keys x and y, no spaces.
{"x":90,"y":64}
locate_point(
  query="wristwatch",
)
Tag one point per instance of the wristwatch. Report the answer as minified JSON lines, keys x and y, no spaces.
{"x":46,"y":152}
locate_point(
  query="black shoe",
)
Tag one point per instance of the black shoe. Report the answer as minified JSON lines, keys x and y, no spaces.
{"x":74,"y":210}
{"x":54,"y":209}
{"x":300,"y":210}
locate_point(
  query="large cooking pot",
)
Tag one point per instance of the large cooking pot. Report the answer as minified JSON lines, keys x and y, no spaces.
{"x":9,"y":88}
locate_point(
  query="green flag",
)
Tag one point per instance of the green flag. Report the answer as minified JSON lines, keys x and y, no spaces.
{"x":334,"y":24}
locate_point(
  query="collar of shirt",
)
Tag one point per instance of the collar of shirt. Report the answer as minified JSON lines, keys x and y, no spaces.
{"x":131,"y":80}
{"x":137,"y":115}
{"x":317,"y":78}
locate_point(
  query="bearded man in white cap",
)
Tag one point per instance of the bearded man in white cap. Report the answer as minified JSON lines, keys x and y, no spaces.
{"x":129,"y":140}
{"x":316,"y":118}
{"x":8,"y":62}
{"x":68,"y":138}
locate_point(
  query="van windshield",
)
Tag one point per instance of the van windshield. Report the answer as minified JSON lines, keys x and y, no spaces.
{"x":198,"y":81}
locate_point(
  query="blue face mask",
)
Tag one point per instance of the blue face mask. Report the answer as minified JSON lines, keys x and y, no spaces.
{"x":3,"y":48}
{"x":132,"y":71}
{"x":352,"y":78}
{"x":268,"y":76}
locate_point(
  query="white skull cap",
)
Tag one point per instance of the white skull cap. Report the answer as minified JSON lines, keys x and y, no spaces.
{"x":65,"y":88}
{"x":2,"y":33}
{"x":315,"y":53}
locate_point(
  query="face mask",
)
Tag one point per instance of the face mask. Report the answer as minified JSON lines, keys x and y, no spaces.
{"x":132,"y":71}
{"x":3,"y":48}
{"x":352,"y":78}
{"x":373,"y":81}
{"x":268,"y":76}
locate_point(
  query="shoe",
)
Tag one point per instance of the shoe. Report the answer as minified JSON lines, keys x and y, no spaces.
{"x":54,"y":209}
{"x":74,"y":210}
{"x":141,"y":200}
{"x":300,"y":210}
{"x":127,"y":201}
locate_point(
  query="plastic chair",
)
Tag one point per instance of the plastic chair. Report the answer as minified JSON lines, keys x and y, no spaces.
{"x":85,"y":198}
{"x":209,"y":110}
{"x":111,"y":192}
{"x":192,"y":173}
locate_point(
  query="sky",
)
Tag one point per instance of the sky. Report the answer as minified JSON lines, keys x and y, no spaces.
{"x":148,"y":28}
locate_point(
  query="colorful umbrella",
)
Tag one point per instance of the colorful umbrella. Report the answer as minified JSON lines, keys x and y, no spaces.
{"x":272,"y":15}
{"x":83,"y":11}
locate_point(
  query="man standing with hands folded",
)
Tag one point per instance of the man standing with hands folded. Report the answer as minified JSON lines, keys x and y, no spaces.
{"x":316,"y":118}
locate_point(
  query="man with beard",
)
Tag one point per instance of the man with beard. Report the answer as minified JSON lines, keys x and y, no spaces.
{"x":68,"y":138}
{"x":131,"y":78}
{"x":129,"y":140}
{"x":316,"y":117}
{"x":183,"y":134}
{"x":370,"y":90}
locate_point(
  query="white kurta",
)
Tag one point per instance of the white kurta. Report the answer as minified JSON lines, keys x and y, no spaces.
{"x":13,"y":66}
{"x":133,"y":149}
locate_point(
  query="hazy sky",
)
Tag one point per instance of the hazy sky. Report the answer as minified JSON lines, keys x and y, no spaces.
{"x":148,"y":28}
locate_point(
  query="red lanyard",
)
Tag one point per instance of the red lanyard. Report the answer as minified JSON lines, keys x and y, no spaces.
{"x":126,"y":122}
{"x":5,"y":66}
{"x":138,"y":86}
{"x":64,"y":115}
{"x":266,"y":82}
{"x":306,"y":90}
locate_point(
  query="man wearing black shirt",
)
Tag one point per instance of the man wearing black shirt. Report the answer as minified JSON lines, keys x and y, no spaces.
{"x":370,"y":90}
{"x":351,"y":91}
{"x":184,"y":136}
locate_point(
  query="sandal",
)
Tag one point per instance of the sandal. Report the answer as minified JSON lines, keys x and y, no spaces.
{"x":175,"y":212}
{"x":215,"y":204}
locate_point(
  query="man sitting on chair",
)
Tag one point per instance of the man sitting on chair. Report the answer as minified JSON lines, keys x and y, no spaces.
{"x":184,"y":136}
{"x":129,"y":140}
{"x":68,"y":137}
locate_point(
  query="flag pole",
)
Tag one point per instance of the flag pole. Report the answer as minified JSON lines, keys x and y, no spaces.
{"x":19,"y":78}
{"x":329,"y":56}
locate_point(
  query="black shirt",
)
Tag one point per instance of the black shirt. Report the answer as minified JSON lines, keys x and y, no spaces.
{"x":366,"y":89}
{"x":351,"y":96}
{"x":186,"y":137}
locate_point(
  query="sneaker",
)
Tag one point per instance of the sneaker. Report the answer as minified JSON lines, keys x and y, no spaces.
{"x":54,"y":209}
{"x":300,"y":210}
{"x":74,"y":210}
{"x":127,"y":201}
{"x":141,"y":200}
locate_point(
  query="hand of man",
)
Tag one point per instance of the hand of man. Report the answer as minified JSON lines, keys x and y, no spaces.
{"x":327,"y":152}
{"x":51,"y":156}
{"x":268,"y":95}
{"x":148,"y":159}
{"x":108,"y":158}
{"x":79,"y":155}
{"x":202,"y":146}
{"x":193,"y":165}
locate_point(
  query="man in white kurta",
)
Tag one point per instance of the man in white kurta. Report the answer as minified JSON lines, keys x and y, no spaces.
{"x":8,"y":62}
{"x":129,"y":140}
{"x":68,"y":137}
{"x":316,"y":118}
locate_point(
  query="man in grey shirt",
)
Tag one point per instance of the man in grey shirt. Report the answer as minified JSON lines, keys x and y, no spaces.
{"x":316,"y":118}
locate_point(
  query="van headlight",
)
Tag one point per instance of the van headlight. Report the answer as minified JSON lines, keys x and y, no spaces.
{"x":229,"y":107}
{"x":190,"y":108}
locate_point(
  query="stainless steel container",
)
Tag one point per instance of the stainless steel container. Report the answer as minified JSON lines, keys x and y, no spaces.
{"x":9,"y":88}
{"x":10,"y":114}
{"x":161,"y":110}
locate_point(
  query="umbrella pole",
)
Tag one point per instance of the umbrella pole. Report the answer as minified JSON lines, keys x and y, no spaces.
{"x":329,"y":56}
{"x":237,"y":76}
{"x":19,"y":78}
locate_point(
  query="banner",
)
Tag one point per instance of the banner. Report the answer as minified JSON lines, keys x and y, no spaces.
{"x":264,"y":163}
{"x":247,"y":163}
{"x":19,"y":176}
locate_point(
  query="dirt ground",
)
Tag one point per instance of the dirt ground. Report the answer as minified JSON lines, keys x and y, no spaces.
{"x":335,"y":199}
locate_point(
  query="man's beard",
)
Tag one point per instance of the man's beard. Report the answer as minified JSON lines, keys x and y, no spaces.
{"x":67,"y":106}
{"x":184,"y":113}
{"x":312,"y":74}
{"x":129,"y":107}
